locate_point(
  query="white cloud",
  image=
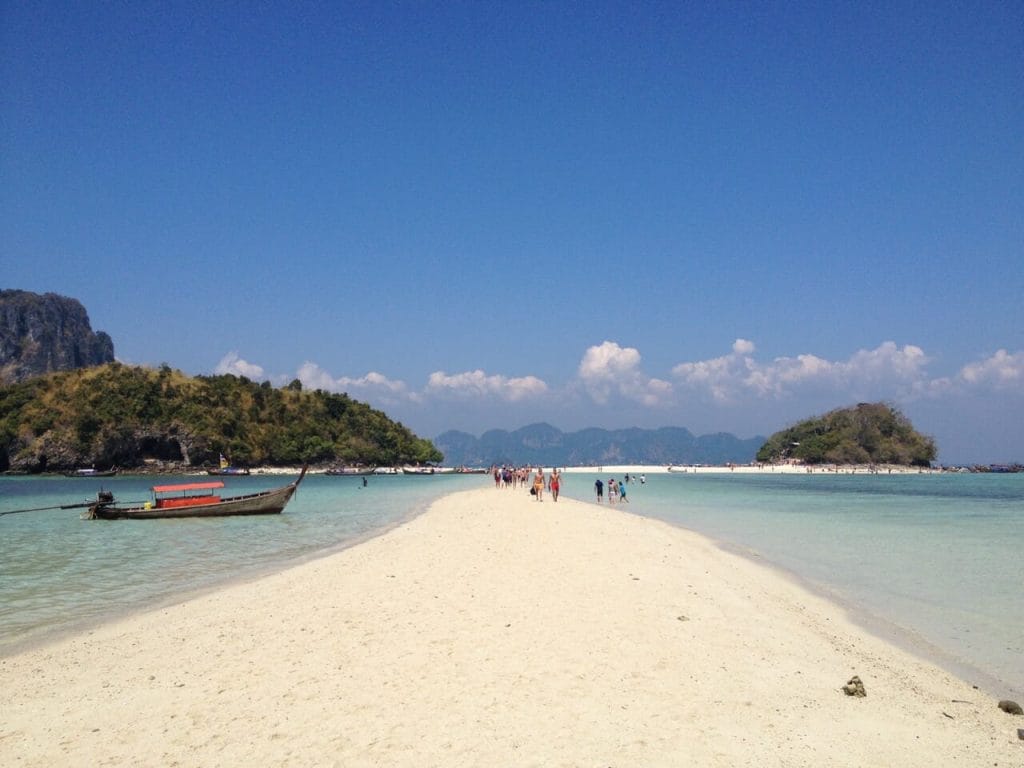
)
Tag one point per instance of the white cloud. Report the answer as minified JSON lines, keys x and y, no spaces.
{"x":479,"y":384}
{"x":379,"y":388}
{"x":884,"y":363}
{"x":743,"y":347}
{"x":1002,"y":371}
{"x":609,"y":369}
{"x":374,"y":380}
{"x":313,"y":376}
{"x":884,"y":371}
{"x":232,"y":363}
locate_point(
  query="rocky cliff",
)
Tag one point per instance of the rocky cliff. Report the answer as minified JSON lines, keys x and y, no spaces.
{"x":40,"y":333}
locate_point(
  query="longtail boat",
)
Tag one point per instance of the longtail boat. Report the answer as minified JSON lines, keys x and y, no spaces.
{"x":349,"y":471}
{"x":91,"y":473}
{"x":196,"y":500}
{"x":225,"y":468}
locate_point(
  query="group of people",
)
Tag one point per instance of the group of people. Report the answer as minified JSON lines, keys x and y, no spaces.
{"x":616,"y":490}
{"x":512,"y":477}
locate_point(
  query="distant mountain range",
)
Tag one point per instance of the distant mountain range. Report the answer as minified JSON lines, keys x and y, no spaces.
{"x":543,"y":444}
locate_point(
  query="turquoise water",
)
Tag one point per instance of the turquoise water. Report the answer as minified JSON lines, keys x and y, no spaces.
{"x":58,"y":572}
{"x":936,"y":557}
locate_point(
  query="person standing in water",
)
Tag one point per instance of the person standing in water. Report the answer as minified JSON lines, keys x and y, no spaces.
{"x":599,"y":486}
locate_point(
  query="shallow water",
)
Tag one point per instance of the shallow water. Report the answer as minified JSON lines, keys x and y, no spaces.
{"x":59,"y":572}
{"x":937,"y":556}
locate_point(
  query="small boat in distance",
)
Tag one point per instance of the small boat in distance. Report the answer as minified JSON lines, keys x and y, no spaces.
{"x":349,"y":471}
{"x":225,"y":468}
{"x":91,"y":473}
{"x":195,"y":500}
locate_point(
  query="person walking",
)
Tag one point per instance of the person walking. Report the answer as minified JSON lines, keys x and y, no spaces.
{"x":555,"y":484}
{"x":538,"y":484}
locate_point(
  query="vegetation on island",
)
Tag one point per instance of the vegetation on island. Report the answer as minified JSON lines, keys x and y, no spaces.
{"x":867,"y":433}
{"x":126,"y":416}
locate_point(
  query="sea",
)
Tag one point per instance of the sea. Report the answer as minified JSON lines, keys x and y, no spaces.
{"x":932,"y":562}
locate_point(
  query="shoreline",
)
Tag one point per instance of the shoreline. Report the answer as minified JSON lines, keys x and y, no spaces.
{"x":492,"y":629}
{"x":650,"y":469}
{"x":904,"y":638}
{"x":43,"y":637}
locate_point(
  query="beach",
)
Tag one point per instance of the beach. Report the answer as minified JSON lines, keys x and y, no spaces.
{"x":497,"y":630}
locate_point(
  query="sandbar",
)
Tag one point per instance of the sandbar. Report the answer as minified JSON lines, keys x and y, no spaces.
{"x":495,"y":630}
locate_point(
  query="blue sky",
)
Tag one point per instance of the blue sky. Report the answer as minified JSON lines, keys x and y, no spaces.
{"x":474,"y":215}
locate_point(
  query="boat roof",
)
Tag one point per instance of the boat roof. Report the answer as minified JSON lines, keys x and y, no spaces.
{"x":188,"y":486}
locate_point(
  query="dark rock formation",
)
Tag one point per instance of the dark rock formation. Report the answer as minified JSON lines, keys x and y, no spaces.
{"x":1011,"y":707}
{"x":854,"y":687}
{"x":44,"y":333}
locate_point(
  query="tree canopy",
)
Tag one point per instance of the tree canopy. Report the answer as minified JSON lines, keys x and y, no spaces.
{"x":122,"y":415}
{"x":867,"y":433}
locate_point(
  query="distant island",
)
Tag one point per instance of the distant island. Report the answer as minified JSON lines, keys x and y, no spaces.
{"x":867,"y":433}
{"x":65,"y":403}
{"x":544,"y":445}
{"x":124,"y":416}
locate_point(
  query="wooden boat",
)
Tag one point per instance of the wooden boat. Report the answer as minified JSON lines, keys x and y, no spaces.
{"x":428,"y":470}
{"x":349,"y":471}
{"x":225,"y":468}
{"x":196,"y":500}
{"x":229,"y":471}
{"x":91,"y":473}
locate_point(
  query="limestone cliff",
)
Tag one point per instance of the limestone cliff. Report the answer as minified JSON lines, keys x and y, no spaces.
{"x":41,"y":333}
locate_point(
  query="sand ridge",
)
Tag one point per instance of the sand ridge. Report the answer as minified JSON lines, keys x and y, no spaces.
{"x":496,"y":630}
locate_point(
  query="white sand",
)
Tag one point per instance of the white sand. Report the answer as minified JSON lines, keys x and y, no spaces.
{"x":498,"y":631}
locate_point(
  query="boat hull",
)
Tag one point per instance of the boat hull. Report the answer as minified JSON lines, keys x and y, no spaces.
{"x":270,"y":502}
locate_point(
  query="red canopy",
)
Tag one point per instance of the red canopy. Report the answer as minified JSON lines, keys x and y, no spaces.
{"x":188,"y":487}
